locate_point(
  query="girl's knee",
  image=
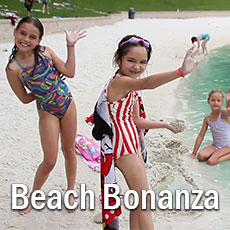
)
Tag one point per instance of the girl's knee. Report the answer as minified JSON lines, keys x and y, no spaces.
{"x":49,"y":165}
{"x":211,"y":162}
{"x":201,"y":157}
{"x":69,"y":152}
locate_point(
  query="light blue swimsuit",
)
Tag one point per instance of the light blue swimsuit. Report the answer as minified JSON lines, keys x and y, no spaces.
{"x":205,"y":36}
{"x":220,"y":132}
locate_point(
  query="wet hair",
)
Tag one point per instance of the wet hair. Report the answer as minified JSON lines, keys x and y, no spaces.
{"x":36,"y":22}
{"x":193,"y":39}
{"x":215,"y":91}
{"x":124,"y":47}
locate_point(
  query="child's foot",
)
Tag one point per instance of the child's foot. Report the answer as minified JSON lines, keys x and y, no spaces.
{"x":26,"y":210}
{"x":71,"y":203}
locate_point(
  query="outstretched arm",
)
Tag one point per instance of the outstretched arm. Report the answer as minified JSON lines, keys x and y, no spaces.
{"x":200,"y":137}
{"x":150,"y":124}
{"x":68,"y":68}
{"x":197,"y":47}
{"x":156,"y":80}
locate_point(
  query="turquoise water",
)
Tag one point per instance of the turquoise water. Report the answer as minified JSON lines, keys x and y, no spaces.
{"x":213,"y":72}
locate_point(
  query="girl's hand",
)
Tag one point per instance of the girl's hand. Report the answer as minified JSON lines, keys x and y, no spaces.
{"x":73,"y":36}
{"x":193,"y":156}
{"x":171,"y":128}
{"x":188,"y":63}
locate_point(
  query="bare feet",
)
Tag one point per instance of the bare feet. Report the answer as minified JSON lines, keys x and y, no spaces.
{"x":26,"y":210}
{"x":71,"y":203}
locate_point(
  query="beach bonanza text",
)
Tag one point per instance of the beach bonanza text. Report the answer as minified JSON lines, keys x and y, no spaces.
{"x":201,"y":200}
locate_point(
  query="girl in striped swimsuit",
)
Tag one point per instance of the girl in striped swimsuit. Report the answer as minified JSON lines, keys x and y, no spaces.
{"x":132,"y":57}
{"x":219,"y":122}
{"x":38,"y":69}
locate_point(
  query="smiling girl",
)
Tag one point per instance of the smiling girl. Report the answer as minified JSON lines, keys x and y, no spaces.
{"x":219,"y":122}
{"x":38,"y":69}
{"x":120,"y":99}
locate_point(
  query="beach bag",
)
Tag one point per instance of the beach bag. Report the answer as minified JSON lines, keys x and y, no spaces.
{"x":89,"y":150}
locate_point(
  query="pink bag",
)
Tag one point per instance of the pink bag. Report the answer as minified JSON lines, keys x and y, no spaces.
{"x":89,"y":150}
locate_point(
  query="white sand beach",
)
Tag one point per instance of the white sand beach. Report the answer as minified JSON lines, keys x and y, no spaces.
{"x":19,"y":136}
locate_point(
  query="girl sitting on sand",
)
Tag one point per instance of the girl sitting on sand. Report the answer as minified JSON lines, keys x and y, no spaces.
{"x":219,"y":122}
{"x":117,"y":115}
{"x":38,"y":69}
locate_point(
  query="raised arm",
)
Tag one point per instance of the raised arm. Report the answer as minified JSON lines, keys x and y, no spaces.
{"x":68,"y":68}
{"x":227,"y":96}
{"x":200,"y":137}
{"x":156,"y":80}
{"x":226,"y":112}
{"x":226,"y":115}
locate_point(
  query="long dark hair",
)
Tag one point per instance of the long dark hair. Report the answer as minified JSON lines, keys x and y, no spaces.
{"x":37,"y":50}
{"x":124,"y":46}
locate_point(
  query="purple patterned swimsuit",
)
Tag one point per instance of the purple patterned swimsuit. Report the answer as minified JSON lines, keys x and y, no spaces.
{"x":52,"y":94}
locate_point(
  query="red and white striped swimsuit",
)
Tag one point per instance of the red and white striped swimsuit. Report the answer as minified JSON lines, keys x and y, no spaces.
{"x":125,"y":137}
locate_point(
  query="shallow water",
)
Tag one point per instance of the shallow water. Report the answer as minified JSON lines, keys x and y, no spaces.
{"x":213,"y":72}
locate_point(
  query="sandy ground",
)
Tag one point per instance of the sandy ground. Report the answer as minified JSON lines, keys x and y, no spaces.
{"x":19,"y":137}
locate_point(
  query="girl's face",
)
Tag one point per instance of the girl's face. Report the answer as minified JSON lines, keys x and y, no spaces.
{"x":134,"y":63}
{"x":27,"y":37}
{"x":216,"y":101}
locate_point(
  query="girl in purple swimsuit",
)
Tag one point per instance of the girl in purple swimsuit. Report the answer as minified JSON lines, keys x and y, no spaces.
{"x":219,"y":122}
{"x":38,"y":69}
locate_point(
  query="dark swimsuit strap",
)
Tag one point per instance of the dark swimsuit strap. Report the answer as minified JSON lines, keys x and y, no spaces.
{"x":18,"y":62}
{"x":22,"y":67}
{"x":41,"y":53}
